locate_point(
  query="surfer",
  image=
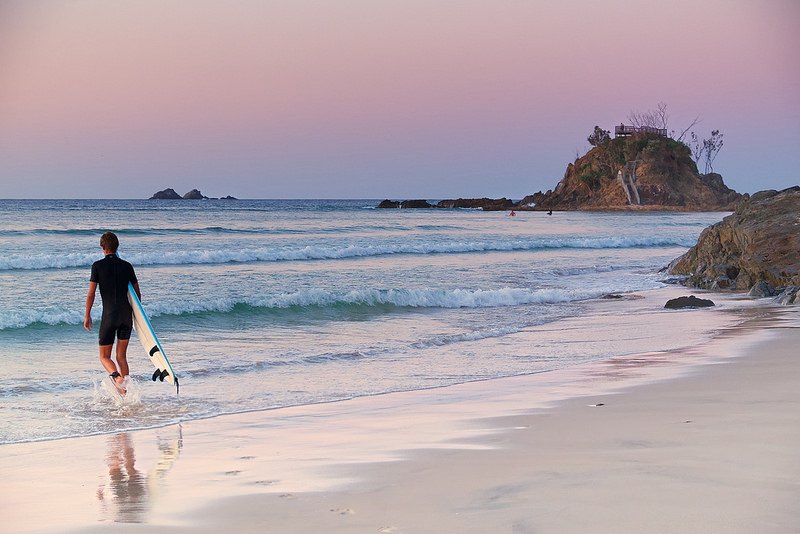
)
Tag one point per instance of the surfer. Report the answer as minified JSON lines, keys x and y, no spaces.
{"x":112,"y":274}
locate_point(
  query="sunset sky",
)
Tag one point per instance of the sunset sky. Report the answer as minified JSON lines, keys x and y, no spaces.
{"x":379,"y":98}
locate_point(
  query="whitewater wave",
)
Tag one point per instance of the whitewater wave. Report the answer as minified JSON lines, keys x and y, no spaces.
{"x":318,"y":298}
{"x":210,"y":230}
{"x":344,"y":251}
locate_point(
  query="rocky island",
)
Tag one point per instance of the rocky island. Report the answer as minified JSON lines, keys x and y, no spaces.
{"x":639,"y":169}
{"x":194,"y":194}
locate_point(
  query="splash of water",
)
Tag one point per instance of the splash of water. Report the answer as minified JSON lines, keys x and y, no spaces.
{"x":105,"y":392}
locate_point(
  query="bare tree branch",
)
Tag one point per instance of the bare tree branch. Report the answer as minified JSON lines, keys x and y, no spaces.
{"x":694,"y":123}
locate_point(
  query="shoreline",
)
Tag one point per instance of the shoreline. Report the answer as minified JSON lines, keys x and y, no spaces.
{"x":363,"y":464}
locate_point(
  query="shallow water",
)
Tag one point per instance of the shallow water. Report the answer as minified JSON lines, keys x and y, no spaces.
{"x":262,"y":304}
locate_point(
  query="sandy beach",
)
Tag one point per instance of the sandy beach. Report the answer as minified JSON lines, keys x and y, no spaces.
{"x":700,"y":440}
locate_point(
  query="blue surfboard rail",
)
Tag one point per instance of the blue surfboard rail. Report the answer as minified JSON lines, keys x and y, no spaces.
{"x":153,"y":332}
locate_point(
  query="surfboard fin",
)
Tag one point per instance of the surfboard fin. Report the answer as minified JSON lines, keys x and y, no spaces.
{"x":157,"y":374}
{"x":164,"y":374}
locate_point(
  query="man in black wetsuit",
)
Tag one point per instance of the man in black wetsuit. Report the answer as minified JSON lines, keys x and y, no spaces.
{"x":112,"y":275}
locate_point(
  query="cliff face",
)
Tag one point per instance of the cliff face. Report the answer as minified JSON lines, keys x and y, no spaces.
{"x":643,"y":171}
{"x":759,"y":241}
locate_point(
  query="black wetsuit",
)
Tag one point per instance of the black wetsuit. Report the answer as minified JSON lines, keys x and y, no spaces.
{"x":112,"y":275}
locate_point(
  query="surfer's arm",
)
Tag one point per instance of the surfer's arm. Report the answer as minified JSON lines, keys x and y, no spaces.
{"x":87,"y":318}
{"x":138,"y":293}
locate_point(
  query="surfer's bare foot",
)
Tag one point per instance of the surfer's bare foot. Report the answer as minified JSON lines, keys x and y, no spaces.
{"x":119,"y":382}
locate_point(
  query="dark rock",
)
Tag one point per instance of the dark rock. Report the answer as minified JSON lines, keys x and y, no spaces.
{"x":790,"y":295}
{"x":723,"y":282}
{"x":610,"y":296}
{"x":166,"y":194}
{"x":688,"y":302}
{"x":389,"y":204}
{"x":486,"y":204}
{"x":228,"y":197}
{"x":194,"y":194}
{"x":761,"y":289}
{"x":763,"y":195}
{"x":759,"y":241}
{"x":416,"y":204}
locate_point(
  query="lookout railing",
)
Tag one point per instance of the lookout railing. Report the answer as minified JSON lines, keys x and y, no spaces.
{"x":624,"y":131}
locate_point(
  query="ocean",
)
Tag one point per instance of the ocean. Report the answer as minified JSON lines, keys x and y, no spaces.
{"x":262,"y":304}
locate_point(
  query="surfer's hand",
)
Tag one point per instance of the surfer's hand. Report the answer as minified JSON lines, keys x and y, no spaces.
{"x":87,"y":324}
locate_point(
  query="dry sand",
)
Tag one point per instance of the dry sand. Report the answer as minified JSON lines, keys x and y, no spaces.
{"x":691,"y":441}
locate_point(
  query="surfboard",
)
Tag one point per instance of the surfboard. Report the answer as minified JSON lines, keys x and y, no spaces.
{"x":149,"y":340}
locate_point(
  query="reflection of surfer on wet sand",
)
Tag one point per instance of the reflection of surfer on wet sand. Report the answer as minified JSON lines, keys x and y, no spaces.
{"x":130,"y":489}
{"x":128,"y":485}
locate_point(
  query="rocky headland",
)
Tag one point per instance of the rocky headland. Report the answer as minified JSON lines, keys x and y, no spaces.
{"x":644,"y":171}
{"x":194,"y":194}
{"x":756,"y":248}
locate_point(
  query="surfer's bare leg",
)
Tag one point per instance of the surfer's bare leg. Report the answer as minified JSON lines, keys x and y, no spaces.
{"x":122,"y":357}
{"x":111,"y":367}
{"x":105,"y":359}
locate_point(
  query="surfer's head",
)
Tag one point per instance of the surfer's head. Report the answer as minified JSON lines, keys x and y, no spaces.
{"x":109,"y":242}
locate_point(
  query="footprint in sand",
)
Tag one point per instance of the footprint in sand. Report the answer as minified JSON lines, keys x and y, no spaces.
{"x":287,"y":496}
{"x":232,"y":473}
{"x":265,"y":482}
{"x":343,"y":511}
{"x":247,"y":457}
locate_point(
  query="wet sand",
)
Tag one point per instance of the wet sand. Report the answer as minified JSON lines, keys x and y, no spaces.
{"x":700,"y":440}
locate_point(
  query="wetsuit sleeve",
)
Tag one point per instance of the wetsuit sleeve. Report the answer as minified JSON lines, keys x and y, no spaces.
{"x":134,"y":280}
{"x":94,"y":277}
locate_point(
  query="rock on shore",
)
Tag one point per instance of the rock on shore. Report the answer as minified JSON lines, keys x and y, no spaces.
{"x":760,"y":241}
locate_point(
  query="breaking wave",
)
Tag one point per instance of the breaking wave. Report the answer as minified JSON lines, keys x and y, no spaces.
{"x":335,"y":252}
{"x":317,"y":298}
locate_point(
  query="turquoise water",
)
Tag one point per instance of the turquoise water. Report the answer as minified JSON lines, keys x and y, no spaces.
{"x":263,"y":304}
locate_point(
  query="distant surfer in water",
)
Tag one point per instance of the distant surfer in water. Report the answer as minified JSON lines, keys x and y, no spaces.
{"x":112,"y":274}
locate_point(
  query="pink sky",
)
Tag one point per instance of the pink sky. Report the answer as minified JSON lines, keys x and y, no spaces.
{"x":411,"y":98}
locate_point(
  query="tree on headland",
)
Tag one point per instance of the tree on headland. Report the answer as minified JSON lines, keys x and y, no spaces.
{"x":599,"y":137}
{"x":653,"y":118}
{"x":659,"y":118}
{"x":706,"y":150}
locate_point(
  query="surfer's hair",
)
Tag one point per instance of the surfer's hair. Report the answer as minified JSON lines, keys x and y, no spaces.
{"x":109,"y":242}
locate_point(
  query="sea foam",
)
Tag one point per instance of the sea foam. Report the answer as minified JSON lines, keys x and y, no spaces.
{"x":334,"y":252}
{"x":319,"y":298}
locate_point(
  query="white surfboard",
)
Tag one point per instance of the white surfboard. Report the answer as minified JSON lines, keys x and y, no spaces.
{"x":148,"y":339}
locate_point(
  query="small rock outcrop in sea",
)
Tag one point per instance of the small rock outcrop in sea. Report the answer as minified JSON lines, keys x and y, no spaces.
{"x":417,"y":204}
{"x":688,"y":302}
{"x":194,"y":194}
{"x":486,"y":204}
{"x":760,"y":241}
{"x":166,"y":194}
